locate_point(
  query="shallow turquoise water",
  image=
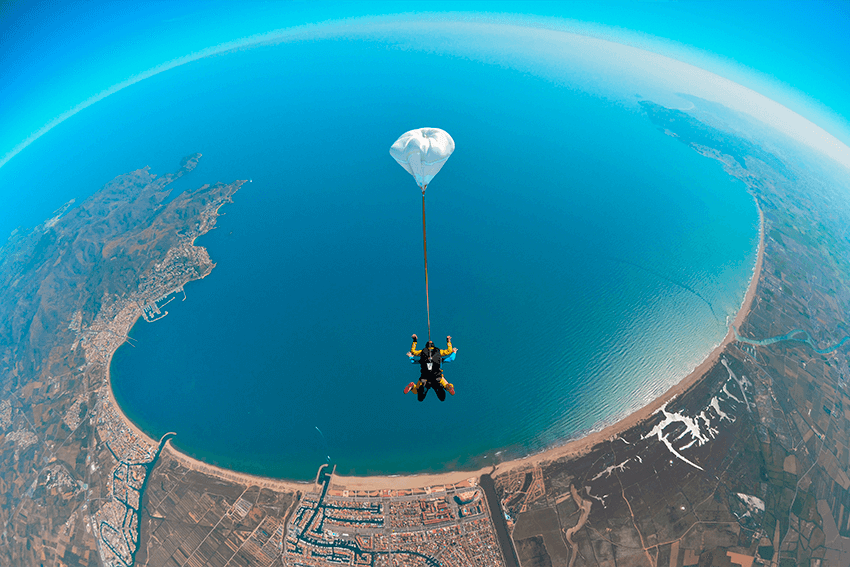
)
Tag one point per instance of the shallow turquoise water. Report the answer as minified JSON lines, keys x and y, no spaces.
{"x":582,"y":260}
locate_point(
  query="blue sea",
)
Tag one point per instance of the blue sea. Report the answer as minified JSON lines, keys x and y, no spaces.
{"x":582,"y":260}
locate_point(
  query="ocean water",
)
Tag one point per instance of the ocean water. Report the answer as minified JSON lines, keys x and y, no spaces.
{"x":582,"y":261}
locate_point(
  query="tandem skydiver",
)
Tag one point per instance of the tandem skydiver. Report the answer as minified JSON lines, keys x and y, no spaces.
{"x":431,"y":373}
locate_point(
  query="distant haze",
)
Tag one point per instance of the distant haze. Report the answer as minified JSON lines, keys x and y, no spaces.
{"x":525,"y":47}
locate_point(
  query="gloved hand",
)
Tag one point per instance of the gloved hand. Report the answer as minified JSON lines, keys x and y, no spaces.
{"x":415,"y":338}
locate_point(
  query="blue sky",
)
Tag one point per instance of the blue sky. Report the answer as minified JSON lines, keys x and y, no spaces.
{"x":55,"y":55}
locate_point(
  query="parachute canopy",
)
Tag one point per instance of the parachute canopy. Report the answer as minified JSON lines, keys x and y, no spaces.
{"x":422,"y":152}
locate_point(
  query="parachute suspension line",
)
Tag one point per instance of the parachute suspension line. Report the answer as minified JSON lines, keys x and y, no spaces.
{"x":425,"y":246}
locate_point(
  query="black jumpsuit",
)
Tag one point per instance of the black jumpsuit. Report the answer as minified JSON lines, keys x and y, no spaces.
{"x":430,"y":378}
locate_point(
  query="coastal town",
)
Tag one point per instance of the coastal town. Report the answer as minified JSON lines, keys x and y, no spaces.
{"x":105,"y":473}
{"x":433,"y":525}
{"x":746,"y":462}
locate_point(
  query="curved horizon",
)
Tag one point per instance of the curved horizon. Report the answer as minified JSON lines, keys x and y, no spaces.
{"x":723,"y":90}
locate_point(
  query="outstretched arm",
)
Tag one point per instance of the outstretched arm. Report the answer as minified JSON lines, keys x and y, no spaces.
{"x":448,"y":350}
{"x":413,"y":351}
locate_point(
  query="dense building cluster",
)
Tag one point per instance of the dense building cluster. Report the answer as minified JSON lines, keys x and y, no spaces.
{"x":116,"y":523}
{"x":438,"y":526}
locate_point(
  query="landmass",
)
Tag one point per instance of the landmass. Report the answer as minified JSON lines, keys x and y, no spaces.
{"x":73,"y":469}
{"x":745,"y":462}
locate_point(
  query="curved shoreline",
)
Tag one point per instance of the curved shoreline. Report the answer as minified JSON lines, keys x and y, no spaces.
{"x":580,"y":446}
{"x":571,"y":448}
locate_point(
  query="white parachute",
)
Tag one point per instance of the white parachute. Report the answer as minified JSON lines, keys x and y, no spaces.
{"x":422,"y":152}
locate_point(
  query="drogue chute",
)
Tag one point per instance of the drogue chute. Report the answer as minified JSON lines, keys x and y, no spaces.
{"x":422,"y":153}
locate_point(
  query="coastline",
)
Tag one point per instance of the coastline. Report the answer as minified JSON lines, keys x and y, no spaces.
{"x":195,"y":464}
{"x":578,"y":447}
{"x":573,"y":448}
{"x":275,"y":484}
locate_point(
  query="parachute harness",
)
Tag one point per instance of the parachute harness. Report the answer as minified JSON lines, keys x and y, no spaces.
{"x":425,"y":246}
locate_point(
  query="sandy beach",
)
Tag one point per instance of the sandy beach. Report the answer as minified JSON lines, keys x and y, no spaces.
{"x":211,"y":470}
{"x":111,"y":395}
{"x":237,"y":477}
{"x":571,"y":449}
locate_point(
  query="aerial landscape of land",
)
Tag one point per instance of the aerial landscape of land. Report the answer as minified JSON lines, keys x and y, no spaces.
{"x":745,"y":462}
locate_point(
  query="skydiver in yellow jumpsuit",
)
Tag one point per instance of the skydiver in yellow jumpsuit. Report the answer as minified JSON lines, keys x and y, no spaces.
{"x":431,"y":376}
